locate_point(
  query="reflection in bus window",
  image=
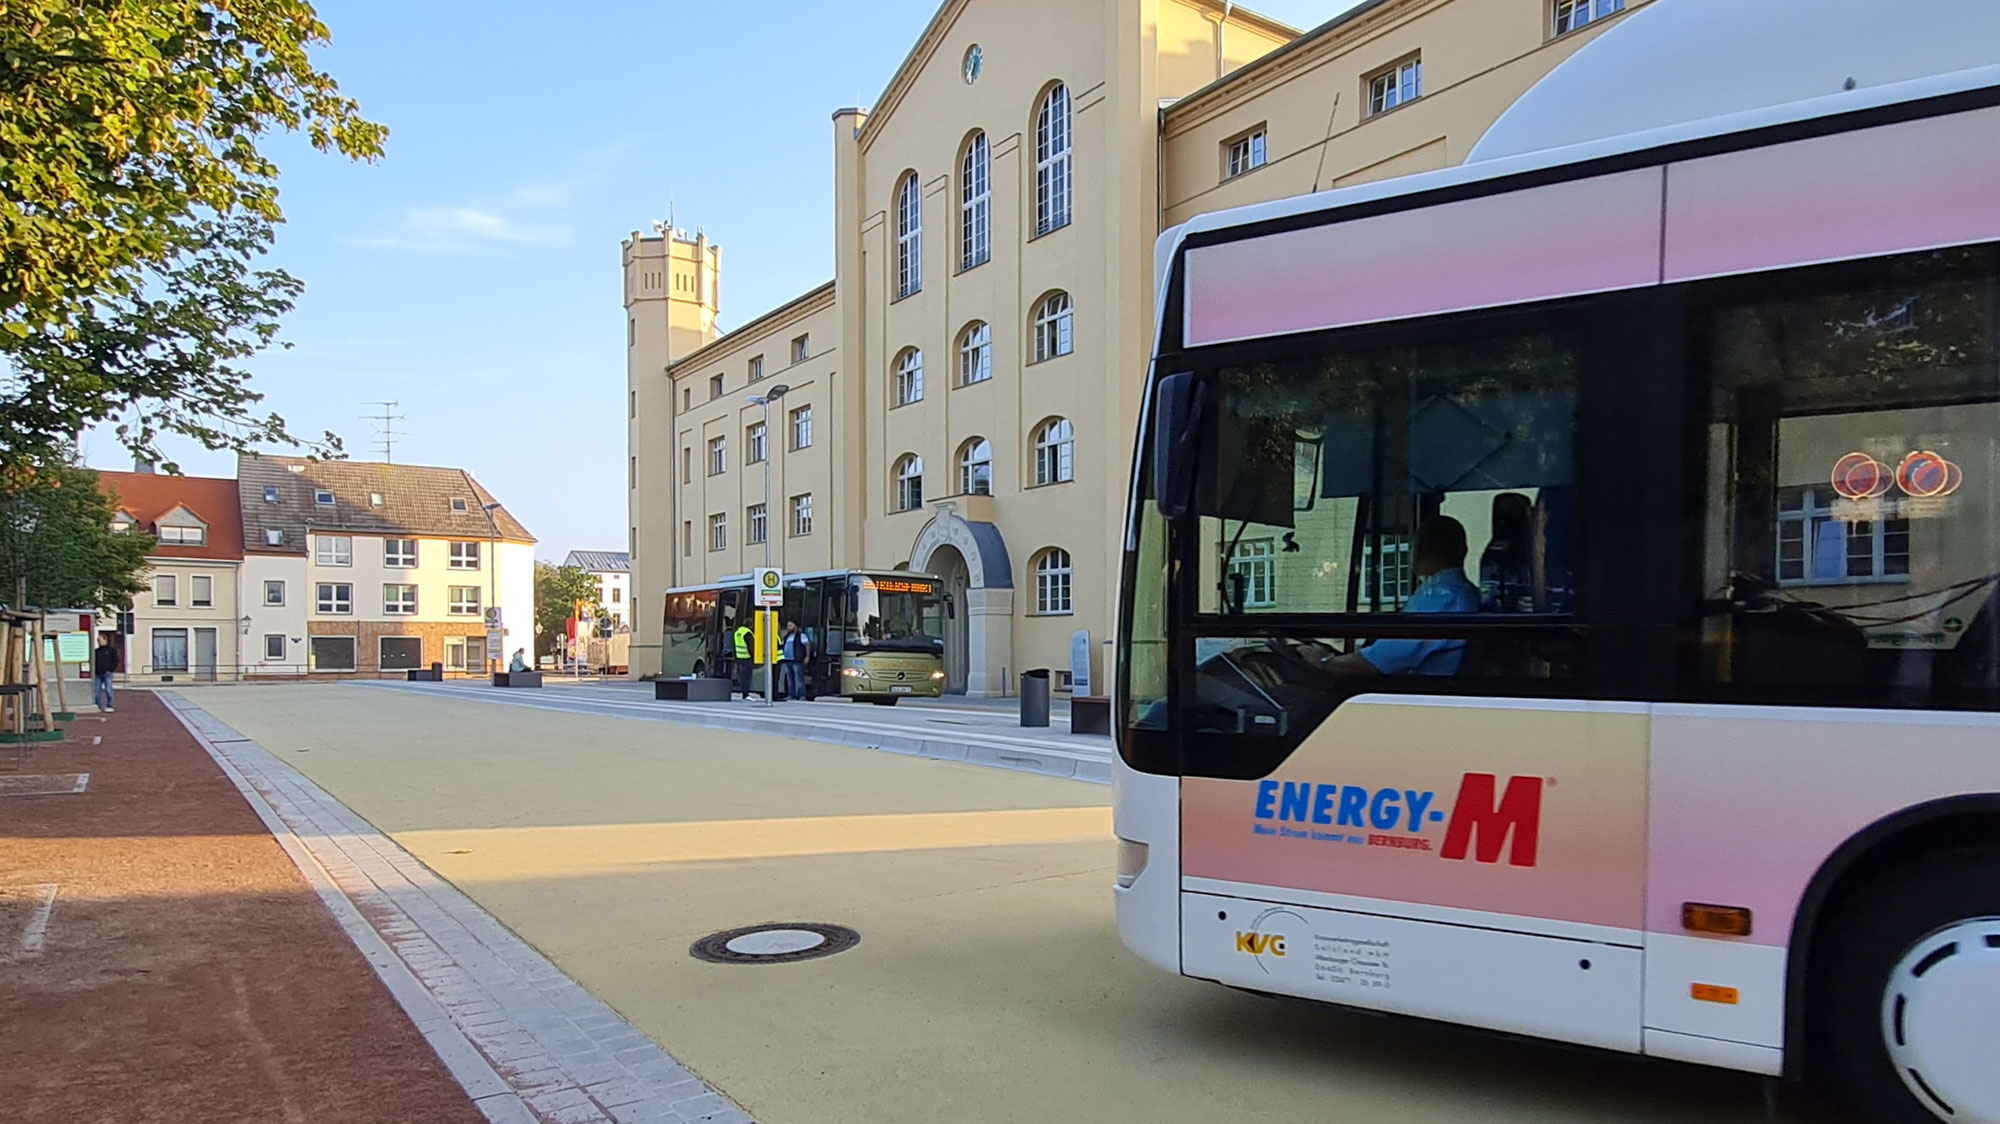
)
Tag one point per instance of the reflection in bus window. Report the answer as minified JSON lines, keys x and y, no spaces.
{"x":1851,"y":532}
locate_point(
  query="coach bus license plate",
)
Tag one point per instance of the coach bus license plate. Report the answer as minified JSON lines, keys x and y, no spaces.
{"x":900,"y":690}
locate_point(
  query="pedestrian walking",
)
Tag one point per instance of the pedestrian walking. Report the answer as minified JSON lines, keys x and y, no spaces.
{"x":741,"y":650}
{"x":103,"y":662}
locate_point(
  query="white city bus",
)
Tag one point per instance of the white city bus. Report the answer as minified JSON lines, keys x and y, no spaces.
{"x":1559,"y":592}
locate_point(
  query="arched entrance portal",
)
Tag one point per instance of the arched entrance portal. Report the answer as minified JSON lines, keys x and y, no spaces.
{"x":947,"y":563}
{"x":971,"y":557}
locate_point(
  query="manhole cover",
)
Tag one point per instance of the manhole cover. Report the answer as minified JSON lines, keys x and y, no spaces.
{"x":777,"y":943}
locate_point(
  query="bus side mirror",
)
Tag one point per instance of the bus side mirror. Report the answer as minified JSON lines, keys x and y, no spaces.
{"x":950,"y":606}
{"x":1177,"y":406}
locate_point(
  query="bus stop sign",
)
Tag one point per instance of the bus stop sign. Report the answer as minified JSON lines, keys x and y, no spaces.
{"x":770,"y":586}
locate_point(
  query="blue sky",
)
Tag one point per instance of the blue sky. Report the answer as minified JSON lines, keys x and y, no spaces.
{"x":472,"y":273}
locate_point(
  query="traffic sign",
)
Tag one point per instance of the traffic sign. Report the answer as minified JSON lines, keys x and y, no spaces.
{"x":770,"y":586}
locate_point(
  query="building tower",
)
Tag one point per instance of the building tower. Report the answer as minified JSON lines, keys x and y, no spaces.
{"x":673,"y":290}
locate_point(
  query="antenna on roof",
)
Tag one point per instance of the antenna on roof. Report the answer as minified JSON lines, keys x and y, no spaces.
{"x":385,"y":431}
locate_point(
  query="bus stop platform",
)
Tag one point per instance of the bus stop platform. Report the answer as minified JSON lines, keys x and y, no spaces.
{"x":976,"y":731}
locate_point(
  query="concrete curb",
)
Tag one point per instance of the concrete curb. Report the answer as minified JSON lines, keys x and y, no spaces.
{"x":526,"y":1043}
{"x":1085,"y":762}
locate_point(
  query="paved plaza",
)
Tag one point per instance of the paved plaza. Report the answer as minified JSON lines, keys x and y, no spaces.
{"x":988,"y":983}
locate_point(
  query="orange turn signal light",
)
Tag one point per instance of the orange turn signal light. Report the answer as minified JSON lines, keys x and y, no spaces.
{"x":1722,"y":920}
{"x":1713,"y":993}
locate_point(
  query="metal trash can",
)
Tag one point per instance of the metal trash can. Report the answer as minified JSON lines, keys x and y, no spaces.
{"x":1035,"y":697}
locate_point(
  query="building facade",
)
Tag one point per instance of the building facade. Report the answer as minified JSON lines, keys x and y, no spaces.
{"x":613,"y":571}
{"x":961,"y":398}
{"x":188,"y":623}
{"x":364,"y":569}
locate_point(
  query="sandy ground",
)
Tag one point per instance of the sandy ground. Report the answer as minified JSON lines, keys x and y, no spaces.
{"x":187,"y":973}
{"x":989,"y":984}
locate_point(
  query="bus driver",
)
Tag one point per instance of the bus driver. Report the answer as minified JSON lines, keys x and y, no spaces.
{"x":1438,"y":565}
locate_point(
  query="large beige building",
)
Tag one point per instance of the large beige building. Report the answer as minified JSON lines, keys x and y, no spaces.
{"x":960,"y":399}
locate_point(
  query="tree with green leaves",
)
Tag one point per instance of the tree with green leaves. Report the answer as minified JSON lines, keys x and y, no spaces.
{"x":557,"y":590}
{"x":134,"y":204}
{"x":56,"y":533}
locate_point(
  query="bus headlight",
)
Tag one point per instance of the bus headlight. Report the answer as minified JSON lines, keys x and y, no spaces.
{"x":937,"y":675}
{"x":1131,"y":861}
{"x":851,"y":672}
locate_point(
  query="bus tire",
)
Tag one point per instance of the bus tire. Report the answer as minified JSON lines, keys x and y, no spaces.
{"x":699,"y":669}
{"x":1908,"y":995}
{"x":884,"y":700}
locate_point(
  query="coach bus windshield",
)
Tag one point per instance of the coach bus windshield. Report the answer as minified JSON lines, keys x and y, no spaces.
{"x":896,"y":614}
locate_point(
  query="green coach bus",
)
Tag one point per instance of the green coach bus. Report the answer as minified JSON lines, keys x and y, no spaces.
{"x":877,"y":635}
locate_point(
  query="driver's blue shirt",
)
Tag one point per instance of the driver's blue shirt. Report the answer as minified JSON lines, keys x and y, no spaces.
{"x":1447,"y":591}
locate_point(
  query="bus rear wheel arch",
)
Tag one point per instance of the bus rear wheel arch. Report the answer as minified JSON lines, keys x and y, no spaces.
{"x":1905,"y":990}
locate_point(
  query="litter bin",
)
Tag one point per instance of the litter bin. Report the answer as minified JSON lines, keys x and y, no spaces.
{"x":1035,"y":697}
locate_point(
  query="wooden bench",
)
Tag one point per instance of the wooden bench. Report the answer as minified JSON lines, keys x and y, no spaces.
{"x":517,"y":679}
{"x":692,"y":690}
{"x":1090,"y":714}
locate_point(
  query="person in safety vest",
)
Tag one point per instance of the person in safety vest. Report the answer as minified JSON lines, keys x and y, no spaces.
{"x":743,"y":663}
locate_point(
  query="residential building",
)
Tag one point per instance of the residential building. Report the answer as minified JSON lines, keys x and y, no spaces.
{"x":960,"y":399}
{"x":356,"y":568}
{"x":613,"y":571}
{"x":186,"y":624}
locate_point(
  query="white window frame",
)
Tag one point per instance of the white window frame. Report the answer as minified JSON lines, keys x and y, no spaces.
{"x":909,"y":236}
{"x":975,"y":467}
{"x":459,"y":506}
{"x":909,"y":380}
{"x":1052,"y":162}
{"x":1257,"y":561}
{"x":1055,"y":327}
{"x":464,"y":556}
{"x":395,"y":557}
{"x":281,"y":646}
{"x":1244,"y":154}
{"x":802,"y":428}
{"x":322,"y":497}
{"x":975,"y":353}
{"x":756,"y":525}
{"x":718,"y":455}
{"x":334,"y":599}
{"x":333,"y":550}
{"x":802,"y":348}
{"x":274,"y":537}
{"x":909,"y":481}
{"x":277,"y":586}
{"x":166,"y":591}
{"x":718,"y":532}
{"x":181,"y":536}
{"x":756,"y":440}
{"x":1387,"y":559}
{"x":201,"y":592}
{"x":975,"y":209}
{"x":187,"y":649}
{"x":1575,"y":15}
{"x":1055,"y":452}
{"x":802,"y":515}
{"x":270,"y":493}
{"x":1054,"y":574}
{"x":1816,"y":510}
{"x":463,"y":600}
{"x":455,"y":652}
{"x":1395,"y":86}
{"x":399,"y":599}
{"x":353,"y":653}
{"x":756,"y":367}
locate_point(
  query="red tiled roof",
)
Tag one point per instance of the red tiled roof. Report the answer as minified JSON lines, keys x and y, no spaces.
{"x":146,"y":497}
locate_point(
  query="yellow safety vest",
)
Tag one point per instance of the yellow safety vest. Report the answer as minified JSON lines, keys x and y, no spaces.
{"x":743,"y":642}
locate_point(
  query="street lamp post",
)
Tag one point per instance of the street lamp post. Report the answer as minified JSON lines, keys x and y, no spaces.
{"x":492,"y":570}
{"x":764,"y":400}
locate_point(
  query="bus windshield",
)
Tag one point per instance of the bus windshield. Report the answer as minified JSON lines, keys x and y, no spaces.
{"x":901,"y":614}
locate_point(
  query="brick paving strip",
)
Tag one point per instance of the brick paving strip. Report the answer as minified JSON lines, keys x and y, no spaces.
{"x":526,"y":1041}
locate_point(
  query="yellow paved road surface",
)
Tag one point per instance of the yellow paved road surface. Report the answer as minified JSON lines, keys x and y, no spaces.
{"x":989,"y":984}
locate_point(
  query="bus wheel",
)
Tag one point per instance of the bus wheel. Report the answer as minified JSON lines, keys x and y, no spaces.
{"x":1910,"y":992}
{"x":885,"y":700}
{"x":700,"y":670}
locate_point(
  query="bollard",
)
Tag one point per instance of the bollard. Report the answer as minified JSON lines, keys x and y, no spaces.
{"x":1035,"y":697}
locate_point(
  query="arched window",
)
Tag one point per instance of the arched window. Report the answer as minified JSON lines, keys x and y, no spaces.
{"x":975,"y":353}
{"x":909,"y":376}
{"x":1052,"y":581}
{"x":909,"y":482}
{"x":909,"y":236}
{"x":975,"y":467}
{"x":1052,"y":181}
{"x":1053,"y":323}
{"x":975,"y":210}
{"x":1055,"y":452}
